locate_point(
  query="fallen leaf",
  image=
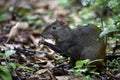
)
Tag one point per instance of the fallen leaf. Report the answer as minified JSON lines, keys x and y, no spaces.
{"x":14,"y":30}
{"x":43,"y":74}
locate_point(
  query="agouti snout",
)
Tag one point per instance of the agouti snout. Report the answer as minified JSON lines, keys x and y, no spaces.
{"x":79,"y":44}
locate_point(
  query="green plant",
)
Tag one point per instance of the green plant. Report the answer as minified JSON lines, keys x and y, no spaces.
{"x":59,"y":59}
{"x":106,"y":32}
{"x":109,"y":6}
{"x":4,"y":73}
{"x":3,"y":17}
{"x":4,"y":70}
{"x":64,"y":3}
{"x":104,"y":14}
{"x":113,"y":66}
{"x":82,"y":68}
{"x":9,"y":70}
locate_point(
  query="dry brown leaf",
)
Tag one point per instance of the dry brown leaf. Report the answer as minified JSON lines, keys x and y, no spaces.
{"x":40,"y":56}
{"x":23,"y":25}
{"x":14,"y":30}
{"x":40,"y":11}
{"x":35,"y":42}
{"x":43,"y":74}
{"x":12,"y":46}
{"x":64,"y":78}
{"x":46,"y":4}
{"x":49,"y":64}
{"x":60,"y":13}
{"x":48,"y":19}
{"x":118,"y":76}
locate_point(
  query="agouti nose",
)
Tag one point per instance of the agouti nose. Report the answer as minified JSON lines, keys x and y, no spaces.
{"x":43,"y":34}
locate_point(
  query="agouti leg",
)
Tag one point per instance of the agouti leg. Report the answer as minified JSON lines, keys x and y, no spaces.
{"x":51,"y":46}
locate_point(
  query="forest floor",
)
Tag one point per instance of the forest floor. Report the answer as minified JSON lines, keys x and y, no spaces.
{"x":21,"y":55}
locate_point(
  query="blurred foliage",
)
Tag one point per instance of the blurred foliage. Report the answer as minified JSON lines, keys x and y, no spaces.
{"x":3,"y":17}
{"x":64,"y":3}
{"x":103,"y":13}
{"x":84,"y":68}
{"x":59,"y":59}
{"x":113,"y":66}
{"x":4,"y":73}
{"x":8,"y":70}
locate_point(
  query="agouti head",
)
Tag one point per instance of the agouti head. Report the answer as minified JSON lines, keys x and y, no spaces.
{"x":56,"y":30}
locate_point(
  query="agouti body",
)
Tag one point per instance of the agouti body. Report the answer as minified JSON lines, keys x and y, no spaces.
{"x":79,"y":44}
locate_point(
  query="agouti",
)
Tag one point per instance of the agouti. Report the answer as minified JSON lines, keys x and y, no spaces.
{"x":79,"y":43}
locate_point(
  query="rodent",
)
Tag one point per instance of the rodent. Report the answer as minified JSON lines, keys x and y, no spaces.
{"x":79,"y":43}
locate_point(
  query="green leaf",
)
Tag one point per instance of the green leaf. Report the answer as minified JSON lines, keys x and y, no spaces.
{"x":107,"y":31}
{"x":85,"y":2}
{"x":64,"y":3}
{"x":83,"y":70}
{"x":59,"y":59}
{"x":3,"y":17}
{"x":72,"y":26}
{"x":95,"y":73}
{"x":9,"y":53}
{"x":13,"y":65}
{"x":81,"y":62}
{"x":4,"y":73}
{"x":95,"y":61}
{"x":86,"y":78}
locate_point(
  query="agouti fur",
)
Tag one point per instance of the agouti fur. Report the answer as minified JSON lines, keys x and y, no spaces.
{"x":79,"y":43}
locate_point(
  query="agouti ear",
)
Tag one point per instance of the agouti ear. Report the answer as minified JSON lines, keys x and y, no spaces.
{"x":63,"y":22}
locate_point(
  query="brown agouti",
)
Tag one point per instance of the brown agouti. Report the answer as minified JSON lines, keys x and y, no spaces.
{"x":79,"y":44}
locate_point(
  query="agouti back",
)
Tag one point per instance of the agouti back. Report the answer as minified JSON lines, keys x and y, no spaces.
{"x":79,"y":43}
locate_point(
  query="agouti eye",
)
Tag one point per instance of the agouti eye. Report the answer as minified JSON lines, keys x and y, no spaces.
{"x":53,"y":28}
